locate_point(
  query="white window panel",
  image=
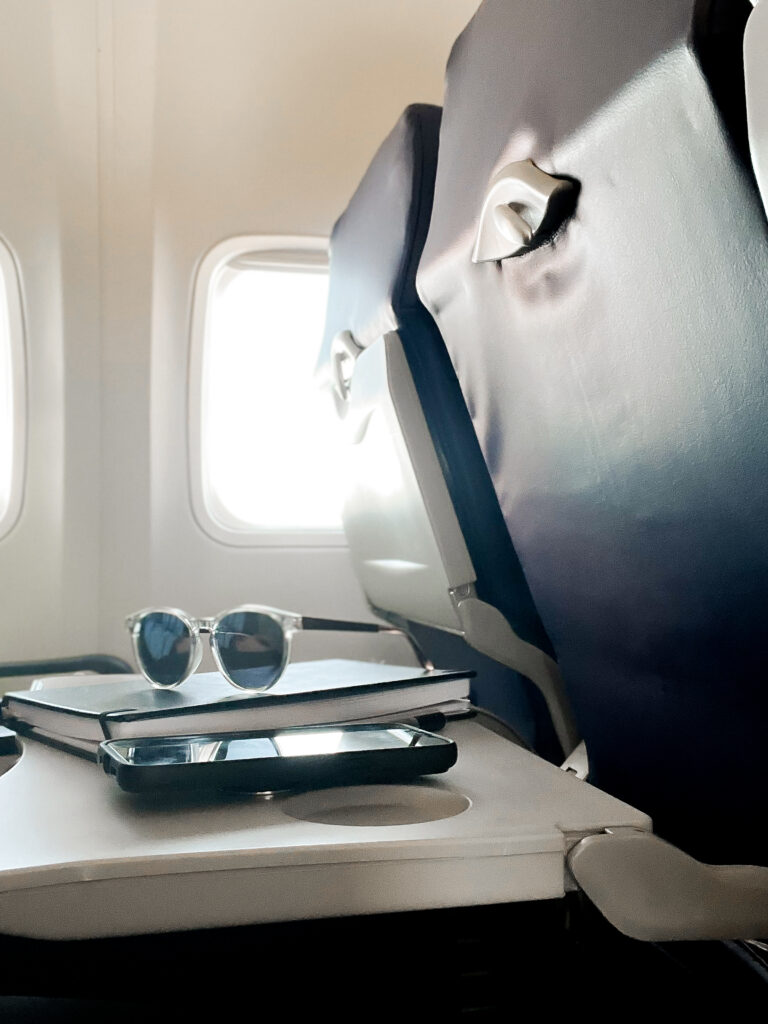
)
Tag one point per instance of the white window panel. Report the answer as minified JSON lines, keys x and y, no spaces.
{"x":266,"y":455}
{"x":12,"y":393}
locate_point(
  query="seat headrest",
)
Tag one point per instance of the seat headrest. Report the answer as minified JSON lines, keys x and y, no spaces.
{"x":377,"y":242}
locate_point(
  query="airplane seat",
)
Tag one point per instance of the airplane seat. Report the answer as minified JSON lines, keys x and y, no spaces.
{"x":597,"y":264}
{"x":424,"y":527}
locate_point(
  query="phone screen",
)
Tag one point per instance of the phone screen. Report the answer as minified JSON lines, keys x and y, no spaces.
{"x":287,"y":743}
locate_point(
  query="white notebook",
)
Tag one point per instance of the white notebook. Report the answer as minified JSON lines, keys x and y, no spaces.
{"x":309,"y":693}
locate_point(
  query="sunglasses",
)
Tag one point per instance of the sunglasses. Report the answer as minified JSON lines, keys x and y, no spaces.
{"x":251,"y":644}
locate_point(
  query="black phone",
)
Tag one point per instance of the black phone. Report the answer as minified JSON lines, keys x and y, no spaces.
{"x":298,"y":758}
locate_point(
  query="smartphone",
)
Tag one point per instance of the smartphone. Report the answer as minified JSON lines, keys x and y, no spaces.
{"x":300,"y":758}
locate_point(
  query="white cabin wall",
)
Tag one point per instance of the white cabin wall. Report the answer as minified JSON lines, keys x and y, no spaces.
{"x":264,"y":117}
{"x":137,"y":135}
{"x":49,"y":220}
{"x":126,"y":36}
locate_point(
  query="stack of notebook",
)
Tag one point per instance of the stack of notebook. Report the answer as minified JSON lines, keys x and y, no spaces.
{"x":79,"y":717}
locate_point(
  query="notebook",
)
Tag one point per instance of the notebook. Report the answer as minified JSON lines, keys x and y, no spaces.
{"x":309,"y":693}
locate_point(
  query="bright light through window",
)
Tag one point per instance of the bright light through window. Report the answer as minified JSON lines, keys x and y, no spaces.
{"x":271,"y":455}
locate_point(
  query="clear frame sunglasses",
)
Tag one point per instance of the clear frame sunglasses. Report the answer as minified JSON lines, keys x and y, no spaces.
{"x":251,"y":644}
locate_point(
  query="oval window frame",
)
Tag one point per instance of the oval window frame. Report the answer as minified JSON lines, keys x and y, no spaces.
{"x":14,"y":311}
{"x":309,"y":250}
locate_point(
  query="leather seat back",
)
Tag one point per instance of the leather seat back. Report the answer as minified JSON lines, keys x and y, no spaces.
{"x":617,"y":376}
{"x":422,"y":519}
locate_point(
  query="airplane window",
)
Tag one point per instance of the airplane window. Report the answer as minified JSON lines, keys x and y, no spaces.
{"x":269,"y":452}
{"x":11,"y":393}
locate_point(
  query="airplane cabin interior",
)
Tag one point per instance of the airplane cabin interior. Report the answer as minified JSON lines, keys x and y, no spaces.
{"x":383,"y":509}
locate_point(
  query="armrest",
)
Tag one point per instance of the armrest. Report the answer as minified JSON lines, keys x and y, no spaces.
{"x":652,"y":891}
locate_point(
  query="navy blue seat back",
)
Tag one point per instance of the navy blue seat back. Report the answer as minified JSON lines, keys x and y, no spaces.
{"x":375,"y":249}
{"x":618,"y":382}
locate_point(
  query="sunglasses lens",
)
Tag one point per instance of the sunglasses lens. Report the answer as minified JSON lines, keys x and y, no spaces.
{"x":251,"y":648}
{"x":164,"y":647}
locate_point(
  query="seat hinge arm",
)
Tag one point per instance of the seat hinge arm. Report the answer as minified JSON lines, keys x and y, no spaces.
{"x":650,"y":890}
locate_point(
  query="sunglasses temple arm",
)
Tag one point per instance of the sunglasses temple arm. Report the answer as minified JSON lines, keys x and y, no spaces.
{"x":369,"y":627}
